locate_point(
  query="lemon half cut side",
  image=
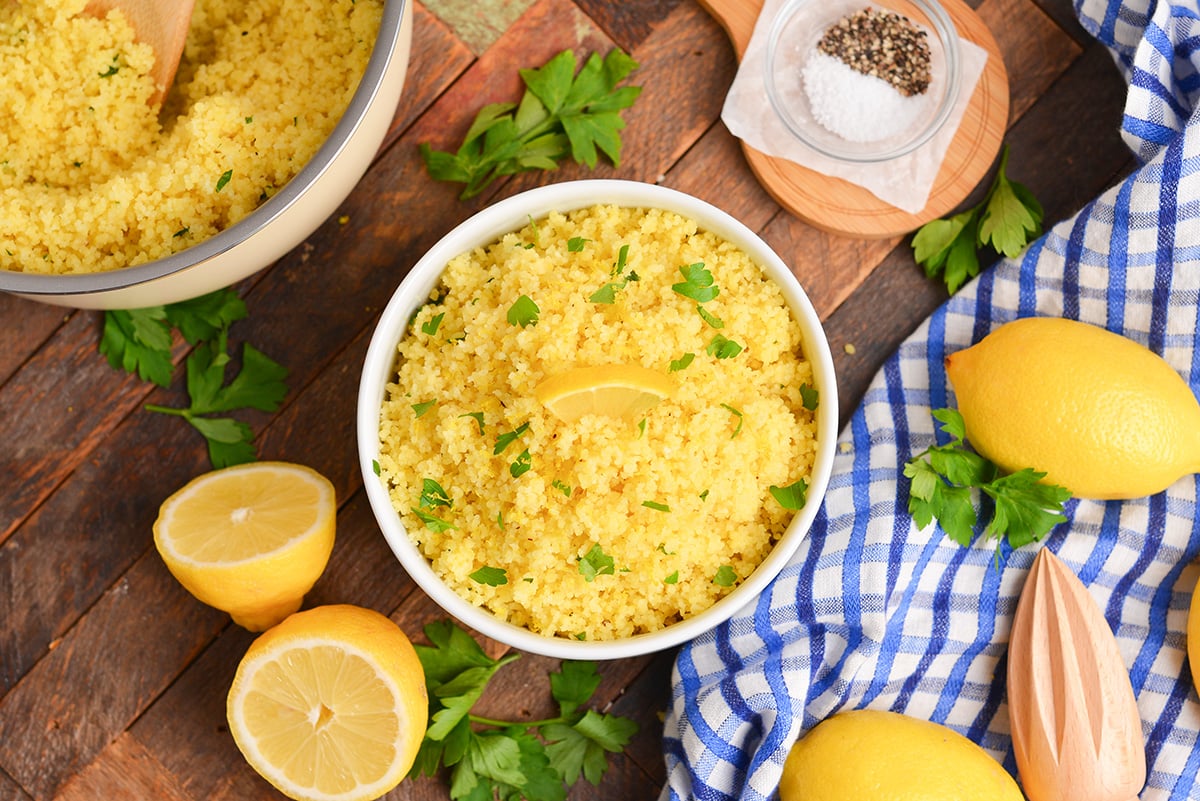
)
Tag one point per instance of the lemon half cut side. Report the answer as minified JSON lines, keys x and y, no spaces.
{"x":330,"y":705}
{"x":613,"y":390}
{"x":250,"y":539}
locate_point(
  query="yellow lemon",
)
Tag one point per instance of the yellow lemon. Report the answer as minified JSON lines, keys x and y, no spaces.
{"x":1100,"y":414}
{"x":1193,"y":635}
{"x":251,"y":539}
{"x":330,"y":705}
{"x":615,"y":390}
{"x":869,"y":755}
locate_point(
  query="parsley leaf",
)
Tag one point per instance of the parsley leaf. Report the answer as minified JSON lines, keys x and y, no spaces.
{"x":140,"y":340}
{"x":793,"y":496}
{"x":596,"y":563}
{"x":491,"y":576}
{"x":725,"y":576}
{"x":697,"y":283}
{"x":682,"y":362}
{"x":433,"y":496}
{"x":523,"y":312}
{"x":561,"y":114}
{"x":809,"y":398}
{"x":723,"y":348}
{"x":1007,"y":219}
{"x":943,"y":478}
{"x":489,"y":758}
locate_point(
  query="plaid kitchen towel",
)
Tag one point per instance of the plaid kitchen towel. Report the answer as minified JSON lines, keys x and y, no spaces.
{"x":874,"y":613}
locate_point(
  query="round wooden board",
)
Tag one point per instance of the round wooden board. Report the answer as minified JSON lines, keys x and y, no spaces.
{"x":840,"y":207}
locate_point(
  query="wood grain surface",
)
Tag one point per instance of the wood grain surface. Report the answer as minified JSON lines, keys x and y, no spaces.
{"x":113,"y":679}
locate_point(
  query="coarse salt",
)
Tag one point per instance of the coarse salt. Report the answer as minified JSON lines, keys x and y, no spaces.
{"x":857,"y":107}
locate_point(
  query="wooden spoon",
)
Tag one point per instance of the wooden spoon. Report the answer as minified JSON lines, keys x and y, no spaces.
{"x":1075,"y":724}
{"x":162,"y":24}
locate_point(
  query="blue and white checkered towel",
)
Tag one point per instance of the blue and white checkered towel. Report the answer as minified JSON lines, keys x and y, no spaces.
{"x":874,"y":613}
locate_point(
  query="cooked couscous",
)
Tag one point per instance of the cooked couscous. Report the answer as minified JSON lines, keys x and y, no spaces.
{"x":604,"y":527}
{"x":93,"y":178}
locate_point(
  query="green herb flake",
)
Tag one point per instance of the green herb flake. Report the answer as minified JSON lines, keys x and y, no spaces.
{"x":491,"y":576}
{"x":182,"y":232}
{"x":562,"y":487}
{"x":432,"y":522}
{"x":521,"y":465}
{"x":809,"y":397}
{"x":656,"y":506}
{"x":524,"y":312}
{"x":596,"y":563}
{"x":112,"y":70}
{"x":741,"y":418}
{"x":419,"y":409}
{"x":682,"y":362}
{"x":223,"y":181}
{"x":723,"y":348}
{"x":432,"y":495}
{"x":508,"y":438}
{"x":697,"y":283}
{"x":793,"y":496}
{"x":704,"y":495}
{"x":607,"y":294}
{"x":477,"y":417}
{"x":710,"y":318}
{"x":375,"y":467}
{"x":662,"y":548}
{"x":431,"y":325}
{"x":672,"y":579}
{"x":576,"y":244}
{"x":725,"y":577}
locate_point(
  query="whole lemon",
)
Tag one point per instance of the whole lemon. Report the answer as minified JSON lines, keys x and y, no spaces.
{"x":1193,"y":635}
{"x":1100,"y":414}
{"x":871,"y":755}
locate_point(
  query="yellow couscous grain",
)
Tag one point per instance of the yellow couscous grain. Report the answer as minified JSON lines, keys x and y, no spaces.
{"x":93,"y":178}
{"x":603,"y":527}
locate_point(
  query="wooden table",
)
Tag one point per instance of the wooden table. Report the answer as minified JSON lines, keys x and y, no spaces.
{"x":113,"y":679}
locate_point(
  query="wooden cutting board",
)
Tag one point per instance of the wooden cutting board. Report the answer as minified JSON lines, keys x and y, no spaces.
{"x":840,"y":207}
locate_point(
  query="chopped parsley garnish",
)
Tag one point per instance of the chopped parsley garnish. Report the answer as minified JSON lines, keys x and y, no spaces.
{"x":419,"y":409}
{"x":576,"y":244}
{"x":524,"y":312}
{"x":725,"y":577}
{"x":710,"y":318}
{"x":491,"y":576}
{"x":223,"y":181}
{"x":741,"y":418}
{"x":607,"y":294}
{"x":112,"y":70}
{"x":596,"y":563}
{"x":662,"y":548}
{"x":656,"y":506}
{"x":682,"y":362}
{"x":521,"y":465}
{"x":704,"y":495}
{"x":808,"y":397}
{"x":431,"y":325}
{"x":793,"y":496}
{"x":182,"y":232}
{"x":508,"y":438}
{"x":672,"y":579}
{"x":697,"y":283}
{"x":477,"y":417}
{"x":562,"y":487}
{"x":432,"y":495}
{"x":375,"y":467}
{"x":723,"y":348}
{"x":432,"y":522}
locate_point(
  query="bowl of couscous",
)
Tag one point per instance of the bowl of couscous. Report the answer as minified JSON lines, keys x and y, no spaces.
{"x":596,"y":418}
{"x":107,"y":201}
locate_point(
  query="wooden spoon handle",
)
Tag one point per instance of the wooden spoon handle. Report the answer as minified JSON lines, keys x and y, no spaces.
{"x":1076,"y":729}
{"x":162,"y":24}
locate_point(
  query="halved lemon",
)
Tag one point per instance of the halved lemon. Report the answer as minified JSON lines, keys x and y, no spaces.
{"x":330,"y":705}
{"x":250,"y":539}
{"x":615,"y":390}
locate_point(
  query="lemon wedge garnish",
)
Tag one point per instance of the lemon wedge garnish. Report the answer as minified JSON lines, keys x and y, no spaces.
{"x":251,"y":539}
{"x":330,"y":705}
{"x":613,"y":390}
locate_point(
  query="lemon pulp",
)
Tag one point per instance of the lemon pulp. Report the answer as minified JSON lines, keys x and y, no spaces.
{"x":614,"y":390}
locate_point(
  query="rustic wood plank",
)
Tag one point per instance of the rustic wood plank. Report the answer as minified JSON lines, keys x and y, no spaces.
{"x":125,"y":769}
{"x":629,"y":22}
{"x":125,"y":651}
{"x":1063,"y":14}
{"x":27,"y":325}
{"x":1036,"y":51}
{"x":646,"y":700}
{"x":1082,"y":109}
{"x":10,"y":791}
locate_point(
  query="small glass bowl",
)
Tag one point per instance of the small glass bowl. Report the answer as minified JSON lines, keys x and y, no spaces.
{"x":794,"y":34}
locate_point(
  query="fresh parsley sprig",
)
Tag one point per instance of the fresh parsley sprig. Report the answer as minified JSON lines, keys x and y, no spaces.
{"x":140,"y":340}
{"x":946,"y":478}
{"x":561,"y":114}
{"x":1006,"y":221}
{"x":535,"y":760}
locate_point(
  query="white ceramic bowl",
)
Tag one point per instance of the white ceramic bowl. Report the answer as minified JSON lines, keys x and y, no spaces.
{"x":487,"y":226}
{"x":793,"y":37}
{"x":275,"y":227}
